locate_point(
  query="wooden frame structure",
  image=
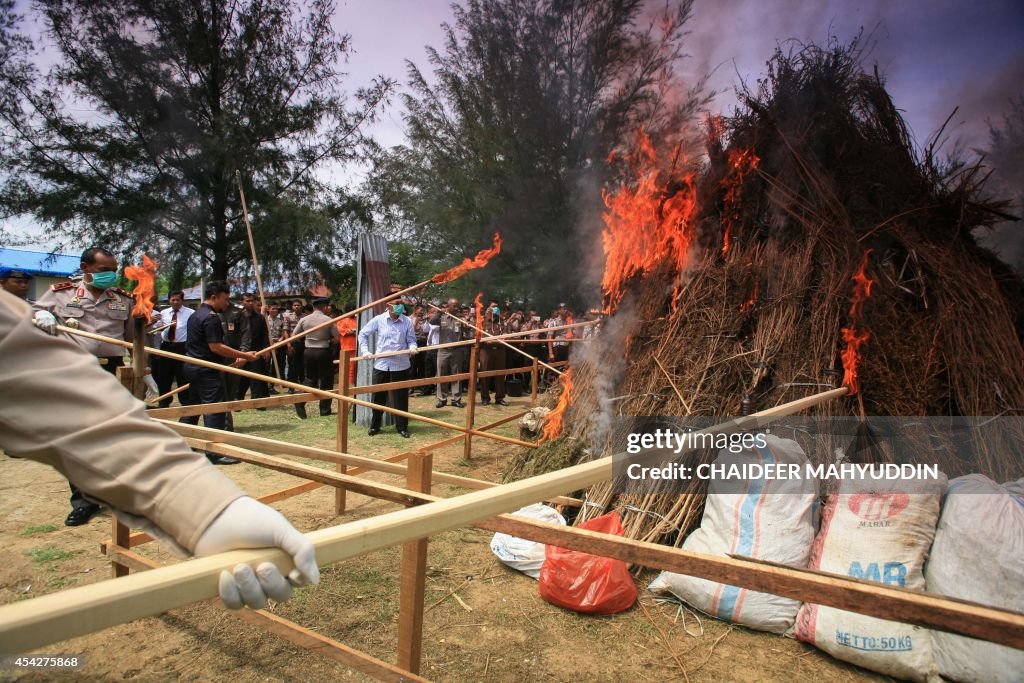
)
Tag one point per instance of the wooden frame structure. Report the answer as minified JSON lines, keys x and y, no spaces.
{"x":52,"y":618}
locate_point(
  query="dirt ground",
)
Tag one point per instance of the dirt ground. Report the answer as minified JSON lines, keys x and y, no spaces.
{"x":497,"y":630}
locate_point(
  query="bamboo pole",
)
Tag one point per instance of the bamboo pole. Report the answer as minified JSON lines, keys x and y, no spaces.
{"x":467,"y":342}
{"x":295,"y":385}
{"x":467,"y":444}
{"x":255,"y":263}
{"x":172,"y":392}
{"x":534,"y":380}
{"x":51,"y":618}
{"x":494,"y":337}
{"x":354,"y":312}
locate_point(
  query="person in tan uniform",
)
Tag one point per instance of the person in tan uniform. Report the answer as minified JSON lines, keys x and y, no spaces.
{"x":317,"y":358}
{"x":94,"y":304}
{"x":59,"y":408}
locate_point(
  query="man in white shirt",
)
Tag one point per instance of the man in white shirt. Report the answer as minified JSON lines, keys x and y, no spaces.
{"x":169,"y":371}
{"x":394,"y":332}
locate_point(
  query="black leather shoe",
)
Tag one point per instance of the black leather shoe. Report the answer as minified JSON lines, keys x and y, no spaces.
{"x":458,"y":404}
{"x":500,"y":402}
{"x":441,"y":404}
{"x":327,"y":414}
{"x":405,"y":434}
{"x":373,"y":432}
{"x":222,"y":460}
{"x":300,"y":410}
{"x":485,"y":402}
{"x":80,"y":516}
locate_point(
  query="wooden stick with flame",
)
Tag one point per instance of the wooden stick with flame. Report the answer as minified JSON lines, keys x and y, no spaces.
{"x":145,"y":288}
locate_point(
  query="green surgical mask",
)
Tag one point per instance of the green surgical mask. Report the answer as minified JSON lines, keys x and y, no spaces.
{"x":399,"y":309}
{"x":104,"y":280}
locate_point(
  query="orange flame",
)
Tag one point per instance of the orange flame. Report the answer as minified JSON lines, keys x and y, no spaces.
{"x":855,"y":335}
{"x":478,"y":261}
{"x":569,"y":321}
{"x":741,"y":163}
{"x":748,"y":305}
{"x":145,"y":287}
{"x":478,"y":306}
{"x":554,"y":422}
{"x":647,"y":222}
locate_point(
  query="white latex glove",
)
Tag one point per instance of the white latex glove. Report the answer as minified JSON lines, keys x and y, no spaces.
{"x":45,"y":321}
{"x":247,"y":523}
{"x":413,"y":351}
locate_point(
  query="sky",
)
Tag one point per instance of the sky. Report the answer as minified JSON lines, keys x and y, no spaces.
{"x":935,"y":55}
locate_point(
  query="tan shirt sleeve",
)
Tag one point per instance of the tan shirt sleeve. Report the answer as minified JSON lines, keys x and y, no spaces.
{"x":58,"y":407}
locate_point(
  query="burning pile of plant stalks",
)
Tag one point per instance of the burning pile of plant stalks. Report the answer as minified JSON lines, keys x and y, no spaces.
{"x":814,"y":248}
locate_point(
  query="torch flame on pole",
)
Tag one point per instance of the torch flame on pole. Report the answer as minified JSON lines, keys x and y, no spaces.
{"x":145,"y":278}
{"x":478,"y":261}
{"x":478,"y":307}
{"x":855,"y":335}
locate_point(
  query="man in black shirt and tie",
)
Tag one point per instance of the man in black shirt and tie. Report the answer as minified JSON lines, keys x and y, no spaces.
{"x":169,"y":371}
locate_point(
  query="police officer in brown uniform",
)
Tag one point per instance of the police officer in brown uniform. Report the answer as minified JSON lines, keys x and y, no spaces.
{"x":492,"y":357}
{"x":94,"y":304}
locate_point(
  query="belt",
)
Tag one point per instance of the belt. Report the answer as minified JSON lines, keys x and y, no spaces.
{"x":167,"y":344}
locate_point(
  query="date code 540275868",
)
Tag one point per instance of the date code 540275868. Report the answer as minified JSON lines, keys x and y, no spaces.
{"x":8,"y":662}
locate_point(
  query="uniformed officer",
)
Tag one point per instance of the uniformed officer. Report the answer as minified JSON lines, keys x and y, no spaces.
{"x":94,"y":304}
{"x":60,"y":409}
{"x":15,"y":281}
{"x":492,"y":357}
{"x":205,"y":340}
{"x":317,"y":359}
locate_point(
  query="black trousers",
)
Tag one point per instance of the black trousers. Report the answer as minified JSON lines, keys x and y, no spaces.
{"x":492,"y":357}
{"x":77,"y":499}
{"x":319,"y":364}
{"x":168,"y":372}
{"x":399,"y":398}
{"x":259,"y":387}
{"x":296,"y":373}
{"x":207,"y":386}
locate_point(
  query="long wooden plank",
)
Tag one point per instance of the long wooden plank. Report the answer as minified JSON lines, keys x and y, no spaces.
{"x":293,"y":633}
{"x":364,"y":487}
{"x":807,"y":585}
{"x":225,"y":406}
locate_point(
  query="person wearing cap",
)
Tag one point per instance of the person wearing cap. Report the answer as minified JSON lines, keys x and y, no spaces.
{"x":15,"y":281}
{"x":492,"y":356}
{"x":394,"y":332}
{"x":60,"y":409}
{"x":95,"y":304}
{"x":317,"y":358}
{"x":449,"y":361}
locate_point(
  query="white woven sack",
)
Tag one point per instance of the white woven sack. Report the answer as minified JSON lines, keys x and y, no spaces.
{"x":877,"y":531}
{"x":978,"y":555}
{"x":771,"y":520}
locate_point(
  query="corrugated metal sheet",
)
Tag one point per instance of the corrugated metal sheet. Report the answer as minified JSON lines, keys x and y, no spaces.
{"x":40,"y":262}
{"x":373,"y":281}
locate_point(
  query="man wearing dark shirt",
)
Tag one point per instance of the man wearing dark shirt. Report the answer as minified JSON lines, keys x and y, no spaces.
{"x":205,"y":340}
{"x":254,"y":337}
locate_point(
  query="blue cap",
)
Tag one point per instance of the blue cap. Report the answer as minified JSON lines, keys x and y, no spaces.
{"x":14,"y":272}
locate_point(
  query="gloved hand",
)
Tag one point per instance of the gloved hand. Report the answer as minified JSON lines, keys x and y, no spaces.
{"x":247,"y":523}
{"x":45,"y":321}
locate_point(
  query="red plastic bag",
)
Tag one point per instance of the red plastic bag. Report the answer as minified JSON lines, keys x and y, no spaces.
{"x":588,"y":583}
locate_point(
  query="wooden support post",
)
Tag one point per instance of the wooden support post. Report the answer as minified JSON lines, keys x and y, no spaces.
{"x":467,"y":445}
{"x":534,"y":381}
{"x":119,"y":536}
{"x":126,"y":376}
{"x":342,"y":429}
{"x":414,"y":572}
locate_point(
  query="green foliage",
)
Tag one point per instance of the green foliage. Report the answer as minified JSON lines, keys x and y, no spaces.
{"x":511,"y":134}
{"x":50,"y":555}
{"x":38,"y":529}
{"x":182,"y":95}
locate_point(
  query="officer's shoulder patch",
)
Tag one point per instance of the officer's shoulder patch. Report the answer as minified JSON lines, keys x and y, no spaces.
{"x":122,"y":292}
{"x":61,"y":286}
